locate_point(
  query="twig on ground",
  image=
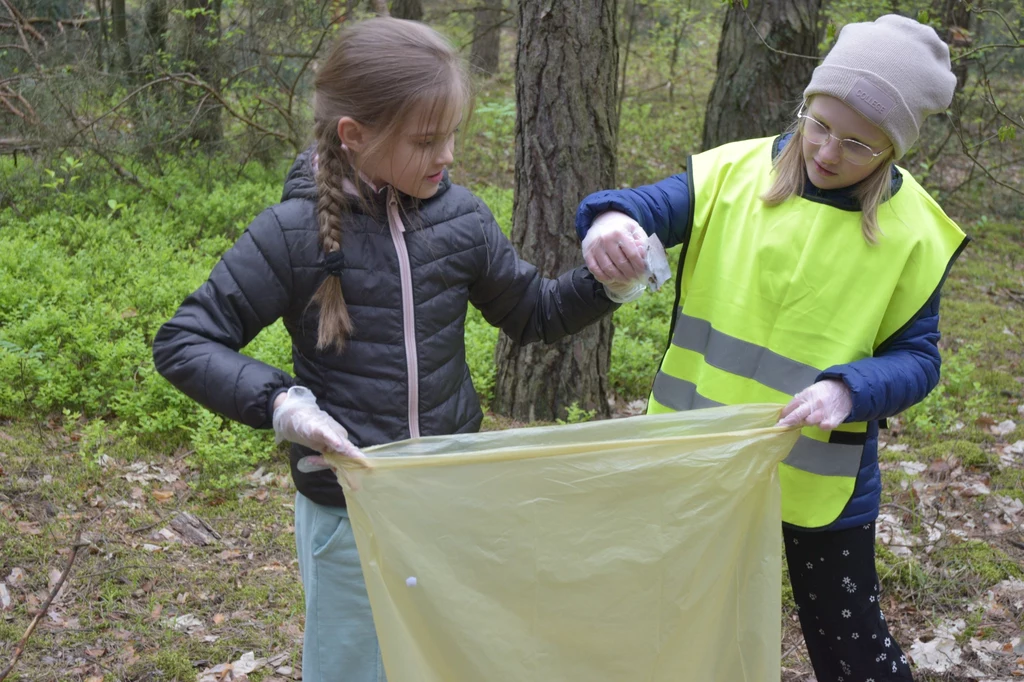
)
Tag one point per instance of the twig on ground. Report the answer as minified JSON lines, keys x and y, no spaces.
{"x":19,"y":648}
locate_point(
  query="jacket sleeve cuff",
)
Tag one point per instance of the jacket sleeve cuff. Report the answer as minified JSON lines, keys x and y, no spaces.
{"x":268,"y":423}
{"x":860,"y":390}
{"x":599,"y":203}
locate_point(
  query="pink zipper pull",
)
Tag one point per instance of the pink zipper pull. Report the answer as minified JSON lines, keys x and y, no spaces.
{"x":393,"y":210}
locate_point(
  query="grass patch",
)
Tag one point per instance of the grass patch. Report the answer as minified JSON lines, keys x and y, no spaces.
{"x":968,"y":453}
{"x":975,"y":565}
{"x":902,"y":574}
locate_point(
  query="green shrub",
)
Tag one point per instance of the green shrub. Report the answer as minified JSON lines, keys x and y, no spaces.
{"x":959,"y":392}
{"x":88,"y":275}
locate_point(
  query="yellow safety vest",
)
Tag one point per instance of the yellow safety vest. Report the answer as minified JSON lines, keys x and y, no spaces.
{"x":769,"y":297}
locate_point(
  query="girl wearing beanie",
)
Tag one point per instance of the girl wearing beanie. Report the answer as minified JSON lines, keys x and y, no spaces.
{"x":809,"y":276}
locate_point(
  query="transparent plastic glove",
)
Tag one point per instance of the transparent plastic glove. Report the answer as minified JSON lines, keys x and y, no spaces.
{"x":298,"y":419}
{"x":615,"y":248}
{"x":826,"y":404}
{"x":656,"y":272}
{"x":624,"y":292}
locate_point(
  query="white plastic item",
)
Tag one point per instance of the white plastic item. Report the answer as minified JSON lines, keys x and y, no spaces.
{"x":646,"y":548}
{"x":657,"y":272}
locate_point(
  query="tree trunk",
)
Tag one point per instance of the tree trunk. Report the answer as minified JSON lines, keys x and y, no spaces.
{"x":956,"y":18}
{"x":757,"y":90}
{"x":200,"y":52}
{"x":101,"y":57}
{"x":119,"y":22}
{"x":565,"y":149}
{"x":156,"y":24}
{"x":407,"y":9}
{"x":486,"y":50}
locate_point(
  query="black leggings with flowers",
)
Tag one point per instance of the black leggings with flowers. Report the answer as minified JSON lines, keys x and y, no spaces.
{"x":835,"y":586}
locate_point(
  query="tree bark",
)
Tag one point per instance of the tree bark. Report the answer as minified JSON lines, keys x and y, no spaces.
{"x":407,"y":9}
{"x":757,"y":89}
{"x":101,"y":44}
{"x":485,"y":53}
{"x":956,"y":18}
{"x":200,"y":52}
{"x":565,"y":149}
{"x":119,"y":22}
{"x":156,"y":24}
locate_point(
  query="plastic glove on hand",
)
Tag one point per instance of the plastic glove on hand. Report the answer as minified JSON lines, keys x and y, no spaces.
{"x":615,"y":248}
{"x":825,"y":404}
{"x":298,"y":419}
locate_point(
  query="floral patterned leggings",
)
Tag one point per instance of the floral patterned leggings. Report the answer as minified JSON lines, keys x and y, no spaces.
{"x":835,"y":586}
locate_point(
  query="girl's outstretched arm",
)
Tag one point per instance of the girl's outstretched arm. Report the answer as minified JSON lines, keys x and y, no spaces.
{"x":662,"y":208}
{"x":512,"y":295}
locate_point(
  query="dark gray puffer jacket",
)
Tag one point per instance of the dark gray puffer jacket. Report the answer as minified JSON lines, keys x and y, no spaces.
{"x":383,"y":386}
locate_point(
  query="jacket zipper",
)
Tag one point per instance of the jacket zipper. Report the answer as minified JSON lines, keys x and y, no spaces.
{"x":408,"y":312}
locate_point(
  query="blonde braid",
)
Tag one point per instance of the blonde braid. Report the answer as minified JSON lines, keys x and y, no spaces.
{"x":335,"y":322}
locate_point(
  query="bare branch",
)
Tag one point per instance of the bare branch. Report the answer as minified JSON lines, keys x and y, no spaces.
{"x":11,"y":108}
{"x":21,"y":24}
{"x":999,"y":14}
{"x":185,"y":79}
{"x":991,"y":101}
{"x":284,"y":55}
{"x":457,"y":10}
{"x":76,"y":23}
{"x":190,"y":79}
{"x":991,"y":46}
{"x":966,"y":150}
{"x":28,"y":115}
{"x":11,"y":145}
{"x":19,"y":648}
{"x":115,"y":166}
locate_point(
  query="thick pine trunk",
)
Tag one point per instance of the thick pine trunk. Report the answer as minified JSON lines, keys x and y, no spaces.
{"x":757,"y":88}
{"x":486,"y":49}
{"x":565,"y":149}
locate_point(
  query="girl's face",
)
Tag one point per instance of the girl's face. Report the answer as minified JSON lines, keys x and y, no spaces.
{"x":828,"y":165}
{"x":413,"y":162}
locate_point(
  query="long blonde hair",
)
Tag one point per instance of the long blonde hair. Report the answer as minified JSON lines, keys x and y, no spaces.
{"x":791,"y":176}
{"x":378,"y":72}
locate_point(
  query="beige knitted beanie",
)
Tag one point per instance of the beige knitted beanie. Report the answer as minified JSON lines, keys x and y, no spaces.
{"x":893,"y":71}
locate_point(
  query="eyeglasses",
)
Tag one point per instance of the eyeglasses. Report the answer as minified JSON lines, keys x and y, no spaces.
{"x":815,"y":132}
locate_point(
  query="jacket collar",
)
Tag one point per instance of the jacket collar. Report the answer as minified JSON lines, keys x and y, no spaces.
{"x":843,"y":198}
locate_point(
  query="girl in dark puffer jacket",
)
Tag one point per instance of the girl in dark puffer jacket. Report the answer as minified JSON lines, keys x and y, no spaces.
{"x":370,"y":259}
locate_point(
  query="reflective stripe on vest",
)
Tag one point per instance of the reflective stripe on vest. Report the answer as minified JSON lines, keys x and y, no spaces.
{"x":810,"y":455}
{"x":771,"y":297}
{"x":741,"y":357}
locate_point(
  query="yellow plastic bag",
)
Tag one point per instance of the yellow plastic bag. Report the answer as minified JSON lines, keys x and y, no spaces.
{"x":646,"y":548}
